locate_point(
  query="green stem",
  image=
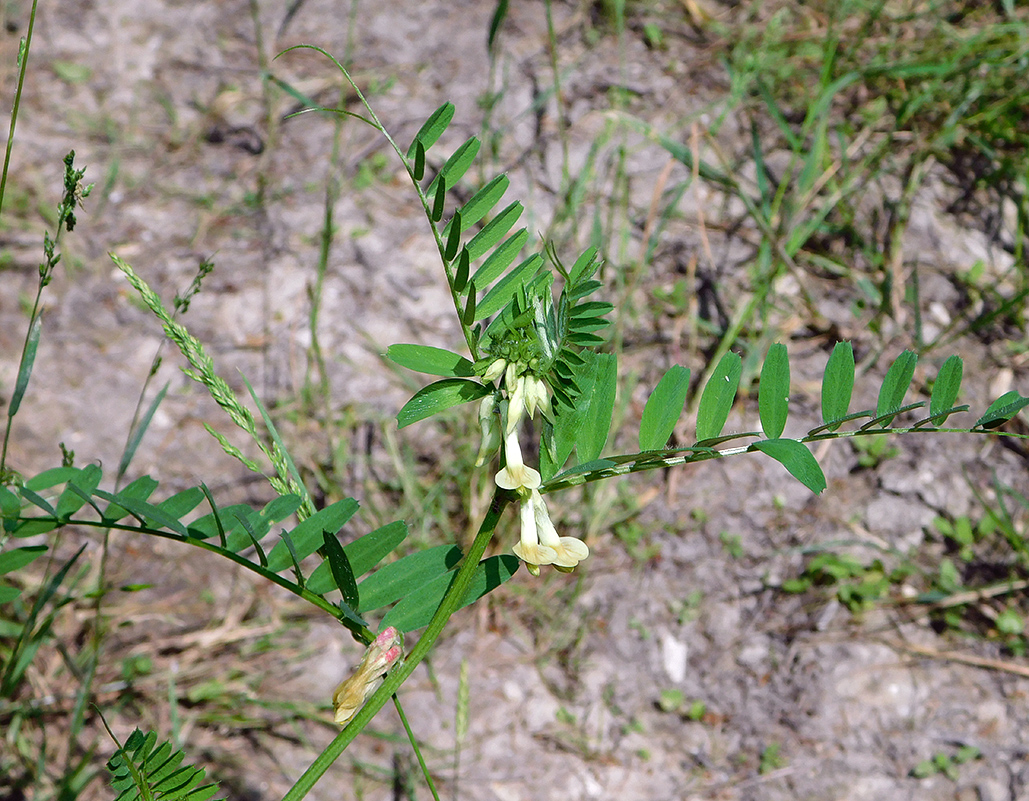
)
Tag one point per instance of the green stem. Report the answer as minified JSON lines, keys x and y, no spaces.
{"x":417,"y":750}
{"x":23,"y":63}
{"x":450,"y":603}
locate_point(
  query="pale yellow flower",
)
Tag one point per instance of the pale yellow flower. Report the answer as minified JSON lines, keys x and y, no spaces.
{"x":516,"y":475}
{"x":568,"y":551}
{"x":528,"y":547}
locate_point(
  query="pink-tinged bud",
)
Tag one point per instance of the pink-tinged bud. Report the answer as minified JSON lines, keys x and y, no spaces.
{"x":385,"y":651}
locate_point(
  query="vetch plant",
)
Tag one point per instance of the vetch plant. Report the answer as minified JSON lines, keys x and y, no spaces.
{"x":533,"y":356}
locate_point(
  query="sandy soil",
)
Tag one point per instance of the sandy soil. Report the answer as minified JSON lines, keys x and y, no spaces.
{"x":164,"y":102}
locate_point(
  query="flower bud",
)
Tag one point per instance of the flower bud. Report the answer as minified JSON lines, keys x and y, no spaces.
{"x":384,"y":652}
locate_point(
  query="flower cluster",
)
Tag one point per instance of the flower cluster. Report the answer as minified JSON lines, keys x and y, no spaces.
{"x":539,"y":543}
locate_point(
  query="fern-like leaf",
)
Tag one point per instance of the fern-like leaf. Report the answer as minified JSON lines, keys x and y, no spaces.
{"x":145,"y":770}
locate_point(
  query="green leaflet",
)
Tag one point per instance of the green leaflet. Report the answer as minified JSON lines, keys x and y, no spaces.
{"x":500,"y":259}
{"x":307,"y":537}
{"x":595,"y":405}
{"x":796,"y":458}
{"x":507,"y":287}
{"x":494,"y":230}
{"x":392,"y":582}
{"x":17,"y":558}
{"x":664,"y":406}
{"x":480,"y":204}
{"x":718,"y":396}
{"x":455,"y":167}
{"x":342,"y":572}
{"x":51,"y":478}
{"x":182,"y":503}
{"x":773,"y":398}
{"x":1001,"y":410}
{"x":433,"y":361}
{"x":895,"y":386}
{"x":436,"y":397}
{"x":364,"y":553}
{"x":79,"y":488}
{"x":838,"y":385}
{"x":417,"y":608}
{"x":142,"y":488}
{"x":945,"y":389}
{"x":432,"y":129}
{"x":145,"y":511}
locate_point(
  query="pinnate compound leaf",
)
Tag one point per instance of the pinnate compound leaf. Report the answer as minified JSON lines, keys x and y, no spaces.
{"x":895,"y":386}
{"x":796,"y":458}
{"x":392,"y":582}
{"x":945,"y":389}
{"x":416,"y":609}
{"x":664,"y":406}
{"x":1001,"y":410}
{"x":718,"y":396}
{"x":307,"y":537}
{"x":438,"y":396}
{"x":433,"y":361}
{"x":432,"y":129}
{"x":143,"y":770}
{"x":838,"y":385}
{"x":773,"y":397}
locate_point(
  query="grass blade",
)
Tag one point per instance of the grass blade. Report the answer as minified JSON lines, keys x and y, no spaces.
{"x":136,"y":436}
{"x":28,"y":358}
